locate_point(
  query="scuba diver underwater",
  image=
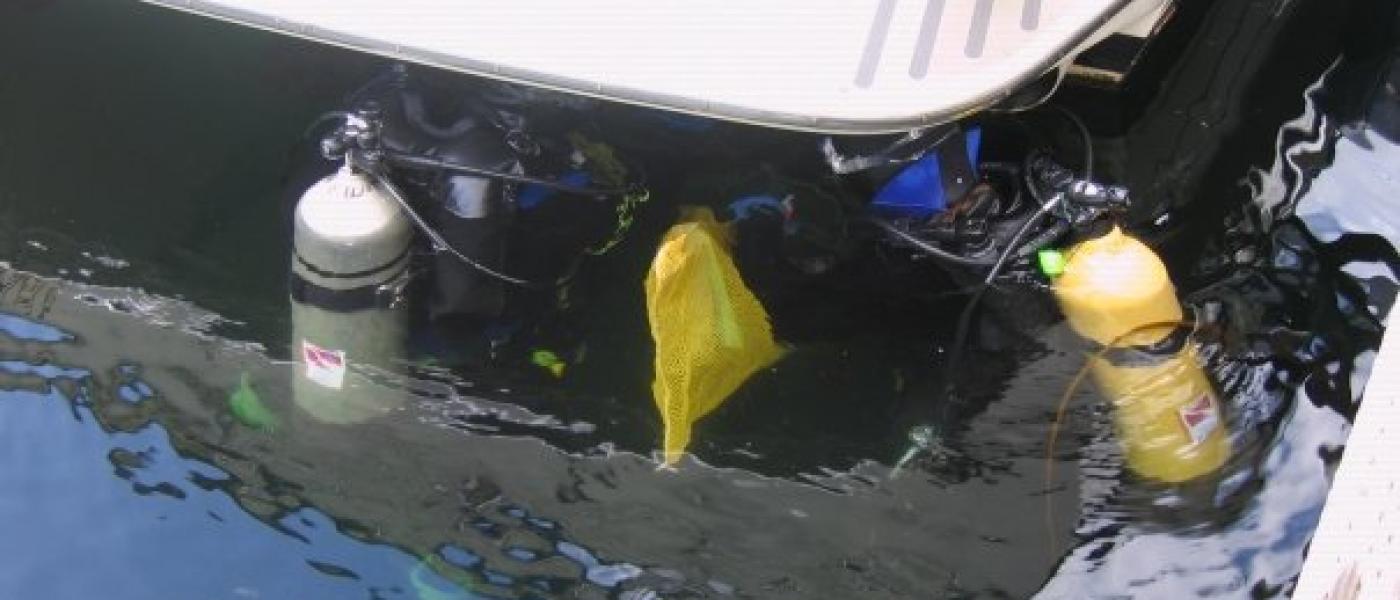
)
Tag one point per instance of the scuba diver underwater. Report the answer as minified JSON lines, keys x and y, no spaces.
{"x":422,"y":215}
{"x":456,"y":218}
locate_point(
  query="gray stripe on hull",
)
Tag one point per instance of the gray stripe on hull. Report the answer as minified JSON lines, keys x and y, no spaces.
{"x":928,"y":35}
{"x":875,"y":43}
{"x":981,"y":23}
{"x":1030,"y":15}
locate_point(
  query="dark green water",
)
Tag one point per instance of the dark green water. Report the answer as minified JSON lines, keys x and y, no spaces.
{"x":145,"y":165}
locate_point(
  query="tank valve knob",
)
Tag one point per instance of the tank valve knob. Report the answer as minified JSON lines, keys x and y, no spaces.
{"x":333,"y":147}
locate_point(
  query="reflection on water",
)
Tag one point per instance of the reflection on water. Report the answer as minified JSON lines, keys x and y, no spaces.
{"x":128,"y":474}
{"x":505,"y":516}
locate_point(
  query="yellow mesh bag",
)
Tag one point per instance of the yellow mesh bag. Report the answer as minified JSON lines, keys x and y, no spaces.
{"x":710,"y":332}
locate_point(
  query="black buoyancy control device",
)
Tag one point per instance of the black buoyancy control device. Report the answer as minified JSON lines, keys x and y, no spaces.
{"x":471,"y":213}
{"x":474,"y":215}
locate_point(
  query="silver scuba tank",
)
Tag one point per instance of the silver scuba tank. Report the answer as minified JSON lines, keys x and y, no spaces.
{"x":349,"y":264}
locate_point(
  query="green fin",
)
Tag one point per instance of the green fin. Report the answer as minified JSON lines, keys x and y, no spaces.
{"x":549,"y":361}
{"x":249,"y":409}
{"x":1051,"y":262}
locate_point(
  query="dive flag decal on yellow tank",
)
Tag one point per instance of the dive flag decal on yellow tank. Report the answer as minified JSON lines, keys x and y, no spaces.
{"x":325,"y":367}
{"x":1200,"y":418}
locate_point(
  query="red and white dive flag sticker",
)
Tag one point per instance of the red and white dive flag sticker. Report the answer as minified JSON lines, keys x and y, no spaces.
{"x":326,"y":367}
{"x":1200,"y":418}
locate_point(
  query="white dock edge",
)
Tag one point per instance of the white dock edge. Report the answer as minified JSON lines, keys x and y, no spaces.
{"x":1360,"y":526}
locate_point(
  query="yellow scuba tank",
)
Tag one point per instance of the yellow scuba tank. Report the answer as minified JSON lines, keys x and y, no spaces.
{"x":1115,"y":291}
